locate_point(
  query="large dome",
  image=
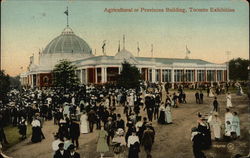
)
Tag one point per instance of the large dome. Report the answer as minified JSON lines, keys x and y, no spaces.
{"x":68,"y":42}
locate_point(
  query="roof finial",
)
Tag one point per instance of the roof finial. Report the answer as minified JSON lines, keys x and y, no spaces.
{"x":123,"y":41}
{"x":67,"y":13}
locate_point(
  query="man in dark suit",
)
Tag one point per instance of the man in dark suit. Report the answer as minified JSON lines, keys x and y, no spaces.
{"x":74,"y":131}
{"x":120,"y":122}
{"x":61,"y":153}
{"x":197,"y":97}
{"x":91,"y":119}
{"x":201,"y":97}
{"x":72,"y":153}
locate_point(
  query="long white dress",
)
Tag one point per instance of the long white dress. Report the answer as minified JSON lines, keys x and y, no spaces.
{"x":211,"y":94}
{"x":84,"y":127}
{"x":168,"y":114}
{"x":236,"y":125}
{"x":216,"y":123}
{"x":229,"y":102}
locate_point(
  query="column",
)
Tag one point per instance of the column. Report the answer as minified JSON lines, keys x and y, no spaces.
{"x":222,"y":77}
{"x":32,"y":84}
{"x":105,"y":74}
{"x":205,"y":75}
{"x":195,"y":75}
{"x":81,"y":77}
{"x":227,"y":71}
{"x":216,"y":78}
{"x":184,"y":75}
{"x":119,"y":70}
{"x":160,"y":75}
{"x":102,"y":75}
{"x":96,"y":75}
{"x":172,"y":77}
{"x":140,"y":70}
{"x":86,"y":76}
{"x":153,"y":75}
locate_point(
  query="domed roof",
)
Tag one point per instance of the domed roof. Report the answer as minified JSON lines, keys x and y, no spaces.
{"x":68,"y":42}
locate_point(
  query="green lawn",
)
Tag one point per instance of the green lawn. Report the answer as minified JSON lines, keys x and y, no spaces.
{"x":13,"y":135}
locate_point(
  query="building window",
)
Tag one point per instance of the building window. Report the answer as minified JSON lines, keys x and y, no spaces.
{"x":200,"y":75}
{"x":178,"y":75}
{"x":210,"y":75}
{"x":219,"y":75}
{"x":78,"y":74}
{"x":190,"y":75}
{"x":84,"y":76}
{"x":166,"y":75}
{"x":157,"y":75}
{"x":150,"y":75}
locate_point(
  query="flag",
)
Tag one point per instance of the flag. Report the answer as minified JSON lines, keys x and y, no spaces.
{"x":66,"y":12}
{"x":152,"y":48}
{"x":138,"y":49}
{"x":104,"y":44}
{"x":187,"y":50}
{"x":103,"y":47}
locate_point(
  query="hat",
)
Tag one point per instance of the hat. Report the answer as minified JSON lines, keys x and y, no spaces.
{"x":71,"y":147}
{"x":61,"y":145}
{"x":120,"y":131}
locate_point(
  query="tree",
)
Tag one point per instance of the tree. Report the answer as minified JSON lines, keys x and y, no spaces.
{"x":15,"y":82}
{"x":129,"y":77}
{"x":64,"y":75}
{"x":4,"y":86}
{"x":238,"y":69}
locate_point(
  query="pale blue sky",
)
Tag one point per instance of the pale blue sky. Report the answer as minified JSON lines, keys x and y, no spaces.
{"x":28,"y":26}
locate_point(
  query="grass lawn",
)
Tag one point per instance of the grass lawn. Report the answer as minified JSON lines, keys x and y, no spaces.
{"x":12,"y":135}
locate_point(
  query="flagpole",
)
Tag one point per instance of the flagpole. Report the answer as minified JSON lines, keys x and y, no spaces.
{"x":138,"y":49}
{"x":67,"y":17}
{"x":123,"y":41}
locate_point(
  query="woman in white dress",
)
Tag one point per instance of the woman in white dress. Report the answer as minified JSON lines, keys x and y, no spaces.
{"x":216,"y":124}
{"x":211,"y":93}
{"x":236,"y":124}
{"x":168,"y":113}
{"x":84,"y":126}
{"x":229,"y":102}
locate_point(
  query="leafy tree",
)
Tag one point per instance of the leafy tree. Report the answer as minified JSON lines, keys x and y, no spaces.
{"x":238,"y":69}
{"x":4,"y":86}
{"x":64,"y":75}
{"x":15,"y":82}
{"x":129,"y":77}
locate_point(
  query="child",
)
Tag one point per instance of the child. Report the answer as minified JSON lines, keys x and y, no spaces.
{"x":228,"y":130}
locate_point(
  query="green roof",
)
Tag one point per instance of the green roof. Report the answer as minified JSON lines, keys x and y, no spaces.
{"x":167,"y":61}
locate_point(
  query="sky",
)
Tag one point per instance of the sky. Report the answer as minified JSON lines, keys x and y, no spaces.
{"x":28,"y":26}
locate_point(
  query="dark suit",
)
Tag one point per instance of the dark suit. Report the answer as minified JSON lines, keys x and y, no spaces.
{"x":76,"y":155}
{"x":59,"y":155}
{"x":74,"y":133}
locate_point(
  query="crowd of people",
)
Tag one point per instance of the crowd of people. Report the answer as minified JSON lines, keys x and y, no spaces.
{"x":82,"y":110}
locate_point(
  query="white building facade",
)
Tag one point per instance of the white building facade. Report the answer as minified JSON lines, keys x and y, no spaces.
{"x":105,"y":69}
